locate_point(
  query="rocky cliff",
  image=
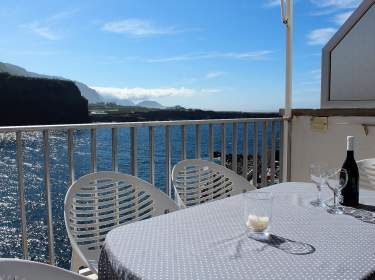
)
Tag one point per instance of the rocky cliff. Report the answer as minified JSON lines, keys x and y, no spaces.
{"x":27,"y":101}
{"x":90,"y":94}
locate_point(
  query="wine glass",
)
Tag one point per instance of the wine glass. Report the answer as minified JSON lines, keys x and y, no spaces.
{"x":318,"y":174}
{"x":336,"y":181}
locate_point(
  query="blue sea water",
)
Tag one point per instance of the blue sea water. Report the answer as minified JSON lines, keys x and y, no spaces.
{"x":10,"y":239}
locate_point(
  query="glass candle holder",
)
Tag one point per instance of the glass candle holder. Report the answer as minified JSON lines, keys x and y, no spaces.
{"x":258,"y":213}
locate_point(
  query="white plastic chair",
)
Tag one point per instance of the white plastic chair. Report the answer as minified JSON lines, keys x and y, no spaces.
{"x":366,"y":168}
{"x":11,"y":269}
{"x":101,"y":201}
{"x":197,"y":181}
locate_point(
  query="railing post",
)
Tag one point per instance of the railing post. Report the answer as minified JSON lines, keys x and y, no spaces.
{"x":287,"y":139}
{"x":47,"y":192}
{"x":183,"y":142}
{"x":197,"y":141}
{"x":273,"y":149}
{"x":255,"y":155}
{"x":151,"y":154}
{"x":223,"y":144}
{"x":281,"y":153}
{"x":71,"y":156}
{"x":245,"y":150}
{"x":289,"y":158}
{"x":93,"y":149}
{"x":234,"y":147}
{"x":264,"y":155}
{"x":168,"y":160}
{"x":133,"y":150}
{"x":21,"y":195}
{"x":114,"y":150}
{"x":210,"y":141}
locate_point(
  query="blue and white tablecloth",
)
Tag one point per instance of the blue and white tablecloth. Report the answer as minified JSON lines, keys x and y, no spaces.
{"x":208,"y":242}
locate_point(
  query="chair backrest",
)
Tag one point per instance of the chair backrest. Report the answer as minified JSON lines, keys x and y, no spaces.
{"x":197,"y":181}
{"x":27,"y":270}
{"x":101,"y":201}
{"x":366,"y":168}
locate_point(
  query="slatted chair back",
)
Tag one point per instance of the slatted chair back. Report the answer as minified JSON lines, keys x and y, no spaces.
{"x":101,"y":201}
{"x":11,"y":269}
{"x":197,"y":181}
{"x":366,"y":168}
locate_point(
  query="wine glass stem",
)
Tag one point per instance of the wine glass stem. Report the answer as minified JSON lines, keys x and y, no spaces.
{"x":319,"y":193}
{"x":334,"y":199}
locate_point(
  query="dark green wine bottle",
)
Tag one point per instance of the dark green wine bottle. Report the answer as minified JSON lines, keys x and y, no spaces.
{"x":350,"y":192}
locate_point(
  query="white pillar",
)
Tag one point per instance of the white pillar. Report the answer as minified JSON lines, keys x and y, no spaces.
{"x":288,"y":21}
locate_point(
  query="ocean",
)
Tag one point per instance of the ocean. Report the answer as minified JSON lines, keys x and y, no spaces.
{"x":10,"y":239}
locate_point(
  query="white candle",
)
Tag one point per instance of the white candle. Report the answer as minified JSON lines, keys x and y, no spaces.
{"x":257,"y":223}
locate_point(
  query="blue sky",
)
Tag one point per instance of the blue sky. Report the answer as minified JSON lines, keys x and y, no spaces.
{"x":211,"y":54}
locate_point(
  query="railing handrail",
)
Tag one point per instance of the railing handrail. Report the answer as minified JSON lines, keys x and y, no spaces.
{"x":23,"y":128}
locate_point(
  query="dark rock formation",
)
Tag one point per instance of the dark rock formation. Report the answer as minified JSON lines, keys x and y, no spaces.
{"x":136,"y":114}
{"x":27,"y":101}
{"x":250,"y":164}
{"x":90,"y":94}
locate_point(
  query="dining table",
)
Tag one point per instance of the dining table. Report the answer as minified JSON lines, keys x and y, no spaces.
{"x":211,"y":241}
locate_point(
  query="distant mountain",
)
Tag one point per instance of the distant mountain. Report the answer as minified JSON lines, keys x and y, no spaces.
{"x":90,"y":94}
{"x":122,"y":102}
{"x":15,"y":70}
{"x":150,"y":104}
{"x":125,"y":102}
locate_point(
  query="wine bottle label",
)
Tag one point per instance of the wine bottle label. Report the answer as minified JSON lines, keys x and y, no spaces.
{"x":350,"y":143}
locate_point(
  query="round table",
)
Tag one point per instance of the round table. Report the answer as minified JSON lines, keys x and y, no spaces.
{"x":208,"y":242}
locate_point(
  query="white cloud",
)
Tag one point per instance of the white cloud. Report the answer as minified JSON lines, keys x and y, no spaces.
{"x":149,"y":93}
{"x":48,"y":28}
{"x":138,"y":28}
{"x":341,"y":18}
{"x":272,"y":3}
{"x":211,"y":75}
{"x":44,"y":31}
{"x":338,"y":4}
{"x":320,"y":36}
{"x":315,"y":74}
{"x":254,"y":55}
{"x":310,"y":79}
{"x":335,"y":8}
{"x":339,"y":9}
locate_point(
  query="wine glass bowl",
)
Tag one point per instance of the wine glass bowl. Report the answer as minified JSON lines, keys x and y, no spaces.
{"x":336,"y":181}
{"x":318,"y":174}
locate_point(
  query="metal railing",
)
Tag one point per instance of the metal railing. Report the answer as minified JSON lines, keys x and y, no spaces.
{"x":268,"y":162}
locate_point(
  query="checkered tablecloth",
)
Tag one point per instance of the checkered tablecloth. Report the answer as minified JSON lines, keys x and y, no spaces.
{"x":209,"y":242}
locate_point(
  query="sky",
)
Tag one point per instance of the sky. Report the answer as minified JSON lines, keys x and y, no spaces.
{"x":209,"y":54}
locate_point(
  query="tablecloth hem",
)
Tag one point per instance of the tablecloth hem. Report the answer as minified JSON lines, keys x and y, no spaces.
{"x":110,"y":269}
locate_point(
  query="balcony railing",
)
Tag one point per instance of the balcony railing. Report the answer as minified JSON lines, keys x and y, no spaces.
{"x":262,"y":135}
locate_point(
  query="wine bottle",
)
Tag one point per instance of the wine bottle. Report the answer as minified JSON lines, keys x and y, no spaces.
{"x":350,"y":192}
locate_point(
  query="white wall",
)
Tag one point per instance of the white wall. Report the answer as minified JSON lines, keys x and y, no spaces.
{"x":309,"y":146}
